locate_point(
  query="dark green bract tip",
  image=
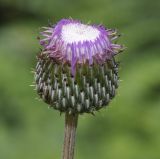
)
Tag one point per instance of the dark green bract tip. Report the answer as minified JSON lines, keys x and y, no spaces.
{"x":89,"y":90}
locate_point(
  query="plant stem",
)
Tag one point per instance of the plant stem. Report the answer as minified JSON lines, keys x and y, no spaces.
{"x":71,"y":121}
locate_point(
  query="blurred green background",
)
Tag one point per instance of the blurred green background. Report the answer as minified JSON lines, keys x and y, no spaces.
{"x":128,"y":129}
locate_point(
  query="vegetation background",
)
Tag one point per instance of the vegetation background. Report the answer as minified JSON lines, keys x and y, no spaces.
{"x":128,"y":129}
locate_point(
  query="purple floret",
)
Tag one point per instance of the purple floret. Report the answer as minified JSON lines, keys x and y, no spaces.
{"x":96,"y":48}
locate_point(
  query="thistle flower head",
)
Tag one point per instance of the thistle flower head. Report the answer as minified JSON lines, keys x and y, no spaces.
{"x":72,"y":42}
{"x":76,"y":71}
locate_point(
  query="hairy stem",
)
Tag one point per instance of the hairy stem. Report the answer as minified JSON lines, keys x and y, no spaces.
{"x":71,"y":121}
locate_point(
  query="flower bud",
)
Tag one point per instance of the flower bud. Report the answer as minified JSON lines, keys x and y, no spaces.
{"x":76,"y":70}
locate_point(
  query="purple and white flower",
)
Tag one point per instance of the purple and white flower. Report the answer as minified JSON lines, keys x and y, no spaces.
{"x":76,"y":71}
{"x":72,"y":42}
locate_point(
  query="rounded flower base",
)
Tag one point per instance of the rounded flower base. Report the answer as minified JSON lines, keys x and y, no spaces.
{"x":91,"y":88}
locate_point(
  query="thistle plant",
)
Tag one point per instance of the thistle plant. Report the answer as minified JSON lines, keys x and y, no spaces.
{"x":76,"y":71}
